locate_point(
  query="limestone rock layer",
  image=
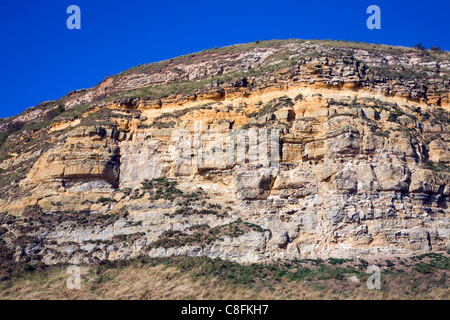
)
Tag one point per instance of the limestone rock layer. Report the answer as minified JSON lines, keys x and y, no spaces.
{"x":277,"y":150}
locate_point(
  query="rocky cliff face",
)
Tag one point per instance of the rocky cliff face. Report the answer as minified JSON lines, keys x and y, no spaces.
{"x":283,"y":149}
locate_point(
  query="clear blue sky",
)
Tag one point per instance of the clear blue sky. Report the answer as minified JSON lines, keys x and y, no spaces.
{"x":43,"y":60}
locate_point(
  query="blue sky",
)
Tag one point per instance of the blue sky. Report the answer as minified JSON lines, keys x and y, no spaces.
{"x":43,"y":60}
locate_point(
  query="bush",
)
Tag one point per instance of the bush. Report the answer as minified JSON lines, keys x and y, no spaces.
{"x":423,"y":268}
{"x":336,"y":261}
{"x":27,"y":267}
{"x":435,"y":49}
{"x":272,"y":106}
{"x":440,"y":166}
{"x":419,"y":46}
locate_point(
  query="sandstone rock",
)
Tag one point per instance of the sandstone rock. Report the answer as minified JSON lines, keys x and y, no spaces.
{"x":351,"y":180}
{"x":439,"y":151}
{"x":251,"y":184}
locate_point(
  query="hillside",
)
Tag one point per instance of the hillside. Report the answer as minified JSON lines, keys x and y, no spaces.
{"x":269,"y":151}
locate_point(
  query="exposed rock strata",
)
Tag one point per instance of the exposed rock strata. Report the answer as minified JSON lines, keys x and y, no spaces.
{"x":362,"y":165}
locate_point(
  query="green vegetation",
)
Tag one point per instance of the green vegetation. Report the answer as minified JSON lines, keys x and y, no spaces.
{"x":431,"y":262}
{"x":395,"y":112}
{"x":204,"y":235}
{"x":272,"y":106}
{"x":159,"y":188}
{"x":179,"y":113}
{"x":337,"y":261}
{"x":188,"y":211}
{"x":423,"y":276}
{"x":127,"y":237}
{"x":394,"y":72}
{"x":440,"y":116}
{"x":34,"y":219}
{"x":298,"y":97}
{"x":278,"y":60}
{"x":8,"y":268}
{"x":73,"y":113}
{"x":384,"y":134}
{"x":161,"y":125}
{"x":203,"y":278}
{"x":177,"y":87}
{"x":55,"y":110}
{"x":437,"y":167}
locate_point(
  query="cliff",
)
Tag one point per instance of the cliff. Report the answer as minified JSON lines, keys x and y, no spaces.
{"x":272,"y":150}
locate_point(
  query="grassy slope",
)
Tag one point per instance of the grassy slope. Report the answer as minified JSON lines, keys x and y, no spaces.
{"x":422,"y":277}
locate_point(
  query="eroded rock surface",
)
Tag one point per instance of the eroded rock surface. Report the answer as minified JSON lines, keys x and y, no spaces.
{"x":320,"y":159}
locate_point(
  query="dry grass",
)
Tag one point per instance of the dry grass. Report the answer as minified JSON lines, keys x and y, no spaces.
{"x":147,"y":281}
